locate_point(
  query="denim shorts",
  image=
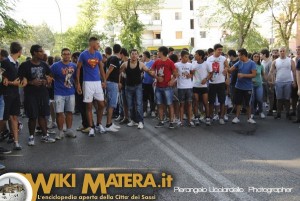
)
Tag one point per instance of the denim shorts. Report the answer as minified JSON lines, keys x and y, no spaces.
{"x":164,"y":95}
{"x":185,"y":95}
{"x":64,"y":103}
{"x":112,"y":92}
{"x":1,"y":107}
{"x":283,"y":90}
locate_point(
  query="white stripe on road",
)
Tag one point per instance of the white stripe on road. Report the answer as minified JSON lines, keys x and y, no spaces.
{"x":186,"y":166}
{"x":196,"y":161}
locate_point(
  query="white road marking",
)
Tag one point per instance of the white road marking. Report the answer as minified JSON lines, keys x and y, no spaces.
{"x":196,"y":161}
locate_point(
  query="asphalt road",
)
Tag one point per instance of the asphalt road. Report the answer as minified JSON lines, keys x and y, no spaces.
{"x":265,"y":155}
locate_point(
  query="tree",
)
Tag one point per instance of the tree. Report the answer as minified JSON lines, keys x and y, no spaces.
{"x":126,"y":13}
{"x":253,"y":43}
{"x":285,"y":16}
{"x":76,"y":38}
{"x":238,"y":16}
{"x":11,"y":29}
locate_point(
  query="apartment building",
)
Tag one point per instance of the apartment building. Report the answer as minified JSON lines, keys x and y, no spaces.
{"x":179,"y":24}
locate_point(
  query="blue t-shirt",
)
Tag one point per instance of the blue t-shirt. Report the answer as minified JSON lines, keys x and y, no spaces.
{"x":148,"y":79}
{"x":245,"y":68}
{"x":64,"y":76}
{"x":90,"y":65}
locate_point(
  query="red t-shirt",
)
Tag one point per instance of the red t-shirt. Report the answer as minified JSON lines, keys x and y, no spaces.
{"x":163,"y":69}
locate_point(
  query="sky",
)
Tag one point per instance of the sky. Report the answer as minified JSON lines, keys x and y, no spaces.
{"x":36,"y":12}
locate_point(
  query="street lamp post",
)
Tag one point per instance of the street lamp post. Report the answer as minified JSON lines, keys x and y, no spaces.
{"x":61,"y":37}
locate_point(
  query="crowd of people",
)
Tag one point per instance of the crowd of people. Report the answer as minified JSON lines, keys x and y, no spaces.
{"x":175,"y":87}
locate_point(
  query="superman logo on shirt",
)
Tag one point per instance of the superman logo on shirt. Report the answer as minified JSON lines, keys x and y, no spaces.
{"x":93,"y":62}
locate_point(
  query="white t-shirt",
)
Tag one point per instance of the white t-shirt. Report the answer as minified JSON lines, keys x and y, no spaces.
{"x":183,"y":70}
{"x":283,"y":70}
{"x":201,"y":72}
{"x":217,"y":66}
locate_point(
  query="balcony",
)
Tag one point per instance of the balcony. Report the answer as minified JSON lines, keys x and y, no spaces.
{"x":152,"y":42}
{"x":153,"y":25}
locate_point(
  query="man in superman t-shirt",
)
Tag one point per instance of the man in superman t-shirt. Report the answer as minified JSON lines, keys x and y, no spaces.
{"x":90,"y":61}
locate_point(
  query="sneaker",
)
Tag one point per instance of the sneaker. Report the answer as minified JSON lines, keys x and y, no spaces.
{"x":132,"y":123}
{"x":216,"y":117}
{"x":251,"y":121}
{"x":115,"y":126}
{"x":179,"y":124}
{"x":119,"y":118}
{"x":30,"y":141}
{"x":4,"y":135}
{"x":70,"y":134}
{"x":197,"y":122}
{"x":226,"y":117}
{"x":51,"y":131}
{"x":235,"y":120}
{"x":10,"y":139}
{"x":60,"y":135}
{"x":221,"y":121}
{"x":262,"y":115}
{"x":252,"y":116}
{"x":20,"y":126}
{"x":278,"y":116}
{"x":92,"y":132}
{"x":86,"y":130}
{"x":100,"y":129}
{"x":207,"y":122}
{"x":38,"y":131}
{"x":2,"y":167}
{"x":141,"y":125}
{"x":184,"y":117}
{"x":160,"y":124}
{"x":51,"y":125}
{"x":145,"y":114}
{"x":111,"y":129}
{"x":191,"y":124}
{"x":80,"y":128}
{"x":171,"y":125}
{"x":47,"y":139}
{"x":124,"y":121}
{"x":153,"y":114}
{"x":4,"y":151}
{"x":17,"y":146}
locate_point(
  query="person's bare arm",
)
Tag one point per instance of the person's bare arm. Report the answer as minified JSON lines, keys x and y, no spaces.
{"x":78,"y":87}
{"x":272,"y":71}
{"x":252,"y":75}
{"x":226,"y":68}
{"x":294,"y":74}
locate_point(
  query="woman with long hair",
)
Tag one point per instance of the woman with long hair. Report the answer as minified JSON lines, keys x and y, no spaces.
{"x":257,"y":95}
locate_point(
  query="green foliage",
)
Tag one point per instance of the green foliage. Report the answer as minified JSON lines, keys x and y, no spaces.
{"x":238,"y":16}
{"x":253,"y":43}
{"x":285,"y":14}
{"x":76,"y":38}
{"x":126,"y":13}
{"x":13,"y":29}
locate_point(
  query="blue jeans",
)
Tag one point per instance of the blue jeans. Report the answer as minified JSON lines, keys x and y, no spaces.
{"x":257,"y":99}
{"x":134,"y":95}
{"x":1,"y":107}
{"x":112,"y":91}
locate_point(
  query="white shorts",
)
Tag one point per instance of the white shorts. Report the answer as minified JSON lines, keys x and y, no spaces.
{"x":92,"y":90}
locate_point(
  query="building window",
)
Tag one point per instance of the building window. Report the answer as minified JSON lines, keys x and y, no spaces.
{"x":178,"y":16}
{"x":178,"y":34}
{"x":192,"y":41}
{"x":202,"y":34}
{"x":156,"y":16}
{"x":157,"y":35}
{"x":192,"y":23}
{"x":191,"y":4}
